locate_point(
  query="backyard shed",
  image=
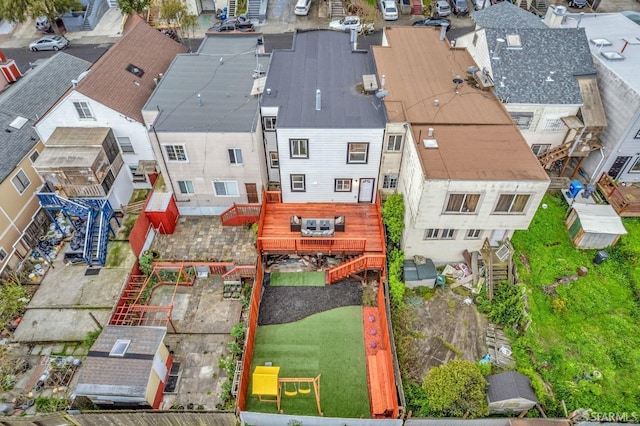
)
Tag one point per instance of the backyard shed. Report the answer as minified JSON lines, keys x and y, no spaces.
{"x":594,"y":226}
{"x":420,"y":272}
{"x":510,"y":392}
{"x":162,"y":212}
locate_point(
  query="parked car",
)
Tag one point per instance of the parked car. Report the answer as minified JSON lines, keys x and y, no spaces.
{"x":237,"y":23}
{"x":432,"y":22}
{"x":442,"y":8}
{"x":49,"y":43}
{"x":389,"y":10}
{"x":579,"y":4}
{"x":42,"y":25}
{"x":482,"y":4}
{"x":302,"y":7}
{"x":346,"y":24}
{"x":459,"y":7}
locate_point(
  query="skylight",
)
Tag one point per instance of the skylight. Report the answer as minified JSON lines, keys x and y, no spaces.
{"x":18,"y":122}
{"x":612,"y":56}
{"x":120,"y":347}
{"x":135,"y":70}
{"x":514,"y":42}
{"x":631,"y":40}
{"x":600,"y":42}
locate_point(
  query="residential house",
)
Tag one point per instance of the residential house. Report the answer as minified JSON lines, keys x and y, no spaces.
{"x":204,"y":121}
{"x":112,"y":93}
{"x":20,"y":107}
{"x":466,"y":172}
{"x":544,"y":76}
{"x":614,"y":42}
{"x":323,"y":127}
{"x":127,"y":367}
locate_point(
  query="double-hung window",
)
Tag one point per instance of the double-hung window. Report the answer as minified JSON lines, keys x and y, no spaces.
{"x":21,"y":181}
{"x":83,"y":110}
{"x":125,"y":144}
{"x":358,"y":153}
{"x":269,"y":123}
{"x":394,"y":143}
{"x":439,"y":234}
{"x":299,"y":148}
{"x":462,"y":203}
{"x":522,"y":119}
{"x":512,"y":203}
{"x":298,"y":183}
{"x":175,"y":152}
{"x":473,"y":234}
{"x":343,"y":185}
{"x":186,"y":187}
{"x":226,"y":188}
{"x":273,"y":157}
{"x":235,"y":156}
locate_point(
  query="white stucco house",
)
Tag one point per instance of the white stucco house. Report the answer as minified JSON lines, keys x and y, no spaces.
{"x":111,"y":94}
{"x":466,"y":172}
{"x":204,"y":121}
{"x":323,"y":131}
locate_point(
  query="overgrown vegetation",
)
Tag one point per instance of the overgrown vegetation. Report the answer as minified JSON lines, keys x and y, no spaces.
{"x":585,"y":342}
{"x":393,"y":219}
{"x":507,"y":306}
{"x":13,"y":299}
{"x":91,"y":338}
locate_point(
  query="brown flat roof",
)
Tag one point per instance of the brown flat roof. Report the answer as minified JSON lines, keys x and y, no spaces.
{"x":477,"y":138}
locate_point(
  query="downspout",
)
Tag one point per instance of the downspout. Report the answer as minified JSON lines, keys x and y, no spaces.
{"x":595,"y":177}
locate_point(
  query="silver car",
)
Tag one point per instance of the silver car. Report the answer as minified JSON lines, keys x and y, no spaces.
{"x":54,"y":42}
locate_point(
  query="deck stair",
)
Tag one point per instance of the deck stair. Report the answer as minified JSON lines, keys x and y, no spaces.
{"x":355,"y":266}
{"x":498,"y":264}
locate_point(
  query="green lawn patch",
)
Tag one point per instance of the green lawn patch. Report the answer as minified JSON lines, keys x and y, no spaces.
{"x":586,"y":341}
{"x":297,"y":279}
{"x":330,"y":343}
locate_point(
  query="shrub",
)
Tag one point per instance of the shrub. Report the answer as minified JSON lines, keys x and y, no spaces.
{"x":393,"y":218}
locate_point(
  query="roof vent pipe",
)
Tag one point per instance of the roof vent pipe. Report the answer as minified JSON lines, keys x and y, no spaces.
{"x":74,"y":83}
{"x":318,"y":100}
{"x":155,"y":81}
{"x":430,"y":134}
{"x":199,"y":99}
{"x":382,"y":81}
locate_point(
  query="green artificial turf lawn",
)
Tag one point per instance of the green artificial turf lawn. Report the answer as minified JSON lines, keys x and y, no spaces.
{"x":591,"y":325}
{"x":330,"y":343}
{"x":297,"y":279}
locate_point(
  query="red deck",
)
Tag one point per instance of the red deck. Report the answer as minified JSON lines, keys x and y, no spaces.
{"x":624,"y":199}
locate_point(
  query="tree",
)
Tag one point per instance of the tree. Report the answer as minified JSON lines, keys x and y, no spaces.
{"x":20,"y":10}
{"x":129,"y":7}
{"x":456,"y":389}
{"x":178,"y":18}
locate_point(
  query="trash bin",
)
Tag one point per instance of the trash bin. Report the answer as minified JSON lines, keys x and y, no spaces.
{"x":600,"y":257}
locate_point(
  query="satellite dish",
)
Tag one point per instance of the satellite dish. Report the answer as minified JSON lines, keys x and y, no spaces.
{"x":472,"y":70}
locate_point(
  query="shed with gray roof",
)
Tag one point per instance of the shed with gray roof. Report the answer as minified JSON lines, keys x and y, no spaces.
{"x":30,"y":98}
{"x":510,"y":392}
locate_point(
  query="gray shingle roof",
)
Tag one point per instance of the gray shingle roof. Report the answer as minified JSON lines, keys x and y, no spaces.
{"x":509,"y":385}
{"x":30,"y":97}
{"x":521,"y":75}
{"x":222,"y":73}
{"x":322,"y":60}
{"x":506,"y":15}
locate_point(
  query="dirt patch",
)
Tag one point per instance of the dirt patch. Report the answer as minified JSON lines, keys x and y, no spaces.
{"x":448,"y":329}
{"x":281,"y":305}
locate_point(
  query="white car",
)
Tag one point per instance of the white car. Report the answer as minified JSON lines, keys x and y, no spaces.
{"x":346,"y":24}
{"x":389,"y":10}
{"x":49,"y":43}
{"x":481,"y":4}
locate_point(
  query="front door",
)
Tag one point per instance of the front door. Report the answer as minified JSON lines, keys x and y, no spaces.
{"x":365,"y":195}
{"x":252,"y":193}
{"x":618,"y":165}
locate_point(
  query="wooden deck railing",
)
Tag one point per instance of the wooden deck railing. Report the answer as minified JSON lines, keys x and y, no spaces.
{"x":275,"y":245}
{"x":240,"y":214}
{"x":240,"y":272}
{"x":624,"y":200}
{"x":368,"y":261}
{"x":273,"y":196}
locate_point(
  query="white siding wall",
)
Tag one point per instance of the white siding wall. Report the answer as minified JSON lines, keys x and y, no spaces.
{"x":208,"y":161}
{"x":622,"y":108}
{"x":270,"y":139}
{"x":64,"y":115}
{"x":536,"y":133}
{"x":121,"y":190}
{"x":480,"y":51}
{"x":327,"y":161}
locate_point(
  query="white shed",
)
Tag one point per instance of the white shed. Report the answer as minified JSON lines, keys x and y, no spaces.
{"x":594,"y":226}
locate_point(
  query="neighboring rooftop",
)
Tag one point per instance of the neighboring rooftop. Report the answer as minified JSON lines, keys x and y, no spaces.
{"x":106,"y":371}
{"x":123,"y":78}
{"x":506,"y":15}
{"x":210,"y":91}
{"x":29,"y":98}
{"x":608,"y":33}
{"x":322,"y":60}
{"x":475,"y":136}
{"x":509,"y":385}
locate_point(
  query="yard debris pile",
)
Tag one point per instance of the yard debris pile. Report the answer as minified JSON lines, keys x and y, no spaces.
{"x":550,"y":289}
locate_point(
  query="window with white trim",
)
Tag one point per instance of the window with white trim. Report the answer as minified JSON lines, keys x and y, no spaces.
{"x":553,"y":125}
{"x":439,"y":234}
{"x":299,"y":148}
{"x":637,"y":136}
{"x":512,"y":203}
{"x":394,"y":143}
{"x":34,"y":156}
{"x":390,"y":181}
{"x":3,"y":254}
{"x":540,"y":148}
{"x":226,"y":188}
{"x":125,"y":144}
{"x":462,"y":203}
{"x":522,"y":119}
{"x":274,"y":160}
{"x":235,"y":156}
{"x":186,"y":187}
{"x":21,"y":181}
{"x":342,"y":185}
{"x":175,"y":152}
{"x":636,"y":166}
{"x":269,"y":123}
{"x":297,"y":183}
{"x":357,"y":152}
{"x":120,"y":347}
{"x":473,"y":234}
{"x":83,"y":110}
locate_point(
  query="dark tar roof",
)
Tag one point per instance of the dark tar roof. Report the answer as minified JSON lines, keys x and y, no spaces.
{"x":506,"y":15}
{"x":322,"y":60}
{"x":30,"y":97}
{"x":222,"y":72}
{"x":544,"y":69}
{"x":509,"y":385}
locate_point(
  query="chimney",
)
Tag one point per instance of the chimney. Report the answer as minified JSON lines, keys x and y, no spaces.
{"x":382,"y":81}
{"x":430,"y":133}
{"x":354,"y":39}
{"x":554,"y":16}
{"x":318,"y":100}
{"x":443,"y":30}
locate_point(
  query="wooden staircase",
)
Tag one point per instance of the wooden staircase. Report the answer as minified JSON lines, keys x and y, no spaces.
{"x":232,"y":8}
{"x":498,"y":264}
{"x":360,"y":264}
{"x":552,"y":155}
{"x":336,"y":9}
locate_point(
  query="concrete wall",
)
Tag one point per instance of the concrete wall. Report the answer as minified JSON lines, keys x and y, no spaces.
{"x":327,"y":161}
{"x":390,"y":163}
